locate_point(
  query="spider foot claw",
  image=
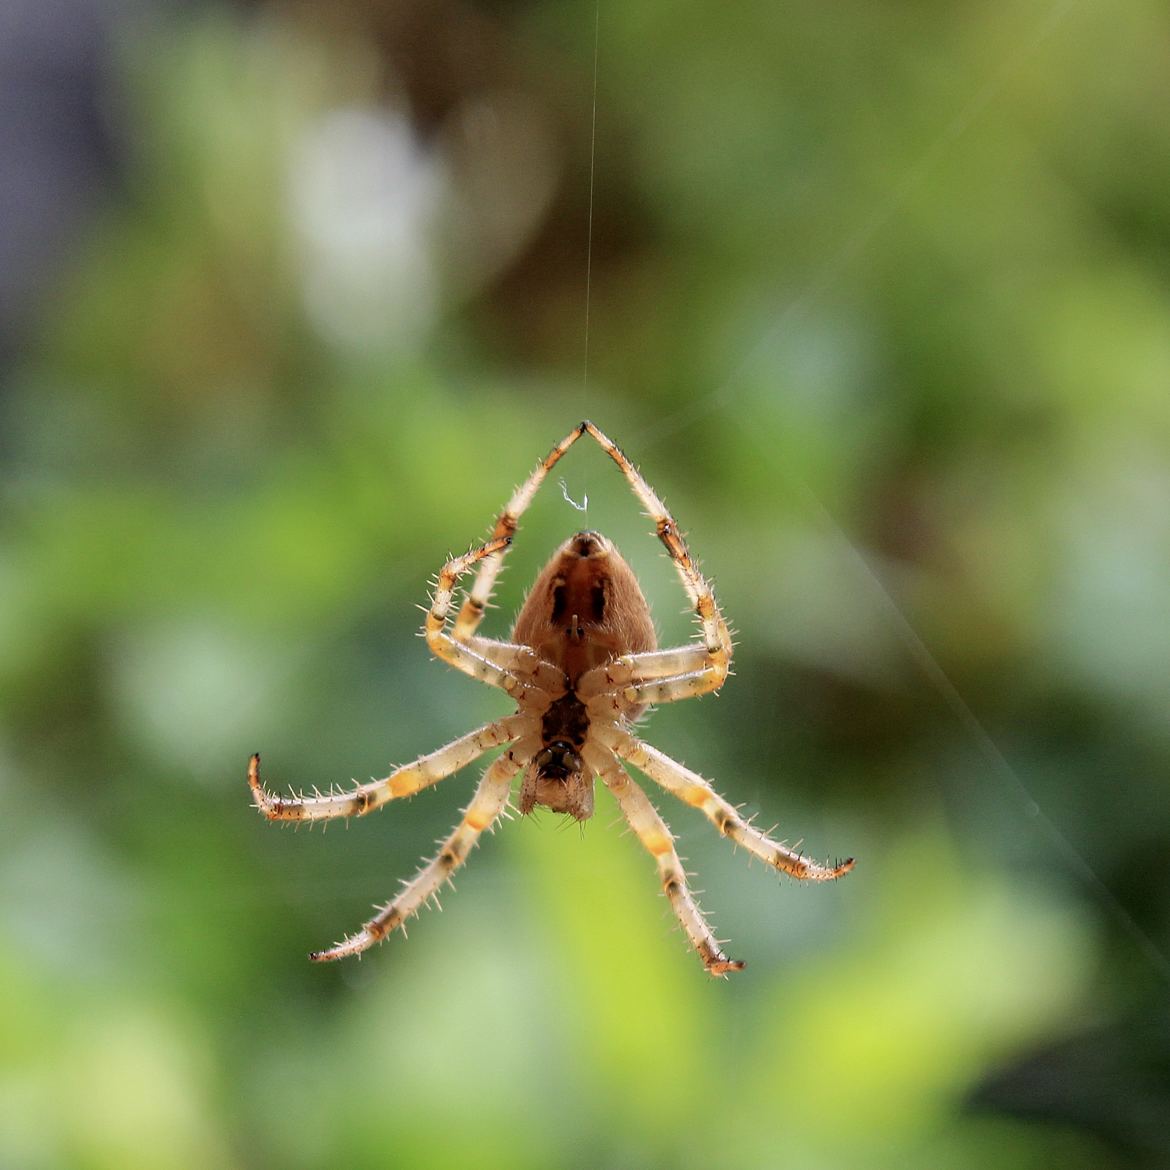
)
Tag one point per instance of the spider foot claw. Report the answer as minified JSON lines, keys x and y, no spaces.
{"x":723,"y":967}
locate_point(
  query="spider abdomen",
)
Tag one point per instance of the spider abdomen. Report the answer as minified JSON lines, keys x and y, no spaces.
{"x":585,"y":608}
{"x":556,"y":777}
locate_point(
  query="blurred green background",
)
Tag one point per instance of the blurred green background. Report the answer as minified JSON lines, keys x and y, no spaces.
{"x":293,"y":294}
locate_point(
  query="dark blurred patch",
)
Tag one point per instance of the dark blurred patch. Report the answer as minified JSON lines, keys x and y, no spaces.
{"x":1113,"y":1083}
{"x":58,"y":147}
{"x":447,"y":55}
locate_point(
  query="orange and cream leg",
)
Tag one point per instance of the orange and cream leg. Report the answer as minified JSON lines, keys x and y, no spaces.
{"x":490,"y":799}
{"x":404,"y":781}
{"x":659,"y":843}
{"x":680,"y":686}
{"x":472,"y":611}
{"x":617,"y":702}
{"x":489,"y":661}
{"x":692,"y":789}
{"x":716,"y":636}
{"x":633,"y":673}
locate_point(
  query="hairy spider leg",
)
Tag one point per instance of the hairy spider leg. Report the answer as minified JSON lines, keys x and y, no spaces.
{"x":658,"y":841}
{"x":472,"y":611}
{"x":692,"y":789}
{"x":705,"y":669}
{"x":490,"y":799}
{"x":716,"y":635}
{"x":614,"y":689}
{"x":648,"y":666}
{"x":498,"y":663}
{"x":404,"y":781}
{"x":612,"y":694}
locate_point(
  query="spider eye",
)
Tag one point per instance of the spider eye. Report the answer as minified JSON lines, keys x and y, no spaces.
{"x":558,"y":600}
{"x":599,"y":602}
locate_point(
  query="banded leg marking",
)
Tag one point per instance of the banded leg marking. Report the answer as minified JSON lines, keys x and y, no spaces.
{"x":617,"y":703}
{"x":403,"y":781}
{"x":481,"y":658}
{"x":659,"y":843}
{"x":472,"y":611}
{"x":682,"y":686}
{"x":654,"y":666}
{"x":692,"y":789}
{"x":716,"y":635}
{"x":489,"y":801}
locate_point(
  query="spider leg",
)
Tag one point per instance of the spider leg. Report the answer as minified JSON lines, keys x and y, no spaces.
{"x":489,"y":801}
{"x":403,"y":781}
{"x":499,"y":663}
{"x":679,"y":686}
{"x":692,"y":789}
{"x":472,"y":611}
{"x":625,"y":704}
{"x":716,"y":636}
{"x":659,"y":843}
{"x":636,"y":675}
{"x":615,"y":700}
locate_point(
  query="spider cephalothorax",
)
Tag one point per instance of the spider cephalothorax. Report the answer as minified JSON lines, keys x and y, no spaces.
{"x":582,"y":665}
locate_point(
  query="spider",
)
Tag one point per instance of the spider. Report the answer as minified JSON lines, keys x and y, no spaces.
{"x":582,"y":666}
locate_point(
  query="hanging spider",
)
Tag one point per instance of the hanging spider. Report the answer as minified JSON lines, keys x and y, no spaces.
{"x":582,"y":666}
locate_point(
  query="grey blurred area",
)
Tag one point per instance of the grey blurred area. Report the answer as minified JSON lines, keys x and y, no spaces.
{"x":59,"y":145}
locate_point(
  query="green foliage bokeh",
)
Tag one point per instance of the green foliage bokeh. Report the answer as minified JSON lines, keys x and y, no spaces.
{"x":879,"y":303}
